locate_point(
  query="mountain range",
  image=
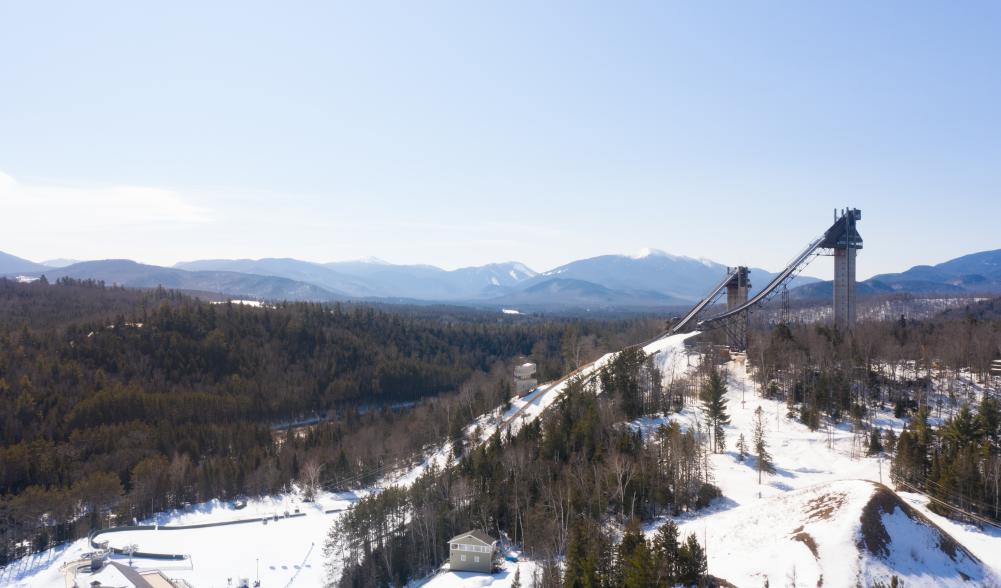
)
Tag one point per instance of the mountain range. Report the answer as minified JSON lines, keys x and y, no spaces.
{"x":976,"y":273}
{"x":650,"y":279}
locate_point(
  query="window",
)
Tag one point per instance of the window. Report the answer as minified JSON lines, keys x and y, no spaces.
{"x":476,"y":558}
{"x":455,"y":546}
{"x":462,"y":557}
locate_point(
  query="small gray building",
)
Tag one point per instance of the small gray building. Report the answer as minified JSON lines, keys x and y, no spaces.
{"x":472,"y":551}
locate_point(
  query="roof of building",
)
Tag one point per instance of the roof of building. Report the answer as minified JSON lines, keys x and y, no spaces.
{"x":116,"y":575}
{"x":156,"y":579}
{"x":475,"y":534}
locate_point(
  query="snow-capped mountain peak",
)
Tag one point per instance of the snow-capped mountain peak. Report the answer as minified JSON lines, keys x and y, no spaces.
{"x":651,"y":252}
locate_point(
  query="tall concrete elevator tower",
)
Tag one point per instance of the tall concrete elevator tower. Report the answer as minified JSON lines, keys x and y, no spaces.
{"x":845,"y":240}
{"x":736,"y":295}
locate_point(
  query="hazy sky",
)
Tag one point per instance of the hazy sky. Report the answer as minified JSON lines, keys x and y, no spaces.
{"x":469,"y":132}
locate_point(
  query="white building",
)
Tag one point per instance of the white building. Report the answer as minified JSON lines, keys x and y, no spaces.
{"x":524,"y":380}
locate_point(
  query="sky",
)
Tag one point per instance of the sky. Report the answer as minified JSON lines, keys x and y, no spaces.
{"x":462,"y":133}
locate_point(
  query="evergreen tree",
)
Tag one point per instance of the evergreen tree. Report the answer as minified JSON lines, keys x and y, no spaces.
{"x":989,"y":421}
{"x":634,"y":561}
{"x":714,"y":404}
{"x":889,"y":440}
{"x":581,"y":558}
{"x":621,"y":378}
{"x":692,"y":564}
{"x":665,"y":554}
{"x":516,"y":583}
{"x":765,"y":464}
{"x":875,"y":442}
{"x":741,"y":448}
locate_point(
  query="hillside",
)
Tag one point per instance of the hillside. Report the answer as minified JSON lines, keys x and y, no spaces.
{"x":427,"y":282}
{"x":10,"y":264}
{"x":824,"y":512}
{"x":839,"y":533}
{"x":822,"y":518}
{"x":373,"y":278}
{"x":291,"y":269}
{"x":562,"y":292}
{"x":127,"y":385}
{"x":128,"y":273}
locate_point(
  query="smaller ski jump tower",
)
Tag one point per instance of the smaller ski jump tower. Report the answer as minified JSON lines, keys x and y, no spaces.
{"x":842,"y":239}
{"x":736,"y":295}
{"x":845,"y":240}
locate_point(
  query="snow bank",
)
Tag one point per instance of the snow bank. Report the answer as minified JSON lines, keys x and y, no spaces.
{"x":501,"y":579}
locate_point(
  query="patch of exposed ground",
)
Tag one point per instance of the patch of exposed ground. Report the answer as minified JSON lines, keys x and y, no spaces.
{"x":823,"y":507}
{"x":807,"y":540}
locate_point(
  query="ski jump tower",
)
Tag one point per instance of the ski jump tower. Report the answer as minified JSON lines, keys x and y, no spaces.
{"x":736,"y":295}
{"x":842,"y":238}
{"x":845,"y":240}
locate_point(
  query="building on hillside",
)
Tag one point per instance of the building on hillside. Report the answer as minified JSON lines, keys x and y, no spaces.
{"x":115,"y":575}
{"x":472,"y":551}
{"x":524,"y":381}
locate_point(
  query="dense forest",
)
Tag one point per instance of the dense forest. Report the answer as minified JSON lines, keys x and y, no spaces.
{"x":559,"y":488}
{"x":116,"y":402}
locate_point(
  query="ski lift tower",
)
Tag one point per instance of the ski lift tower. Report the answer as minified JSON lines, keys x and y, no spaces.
{"x":996,"y":371}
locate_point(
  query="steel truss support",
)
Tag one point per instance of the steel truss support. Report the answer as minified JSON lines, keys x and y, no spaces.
{"x":735,"y":327}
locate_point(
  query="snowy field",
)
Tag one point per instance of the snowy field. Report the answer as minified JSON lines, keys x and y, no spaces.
{"x":501,"y":579}
{"x":288,"y":552}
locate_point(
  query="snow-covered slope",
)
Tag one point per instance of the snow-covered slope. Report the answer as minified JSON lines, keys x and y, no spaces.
{"x":840,"y":533}
{"x":824,"y":518}
{"x":808,"y":519}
